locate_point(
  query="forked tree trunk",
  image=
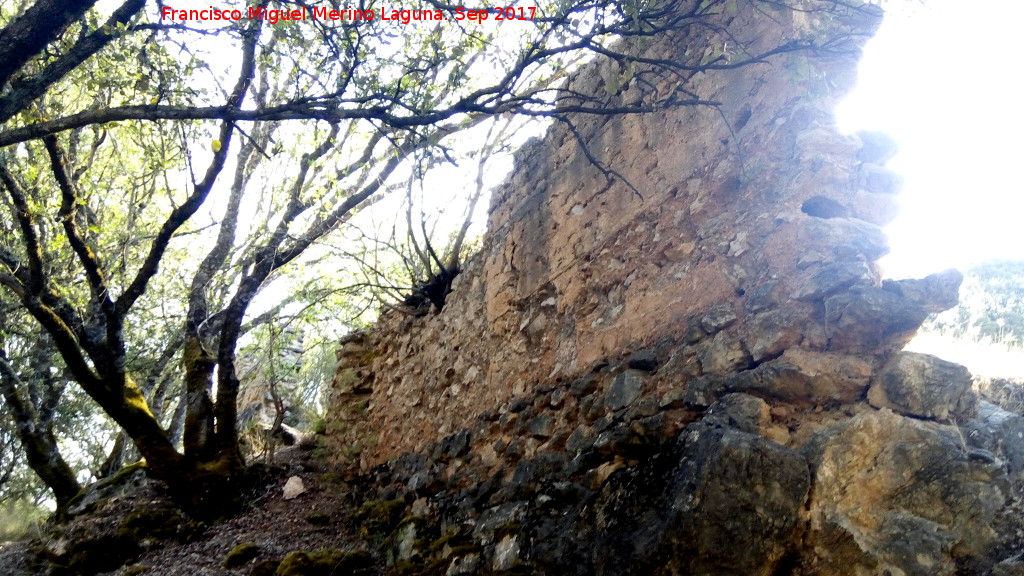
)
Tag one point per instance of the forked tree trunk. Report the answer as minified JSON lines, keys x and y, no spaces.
{"x":45,"y":459}
{"x":35,"y":432}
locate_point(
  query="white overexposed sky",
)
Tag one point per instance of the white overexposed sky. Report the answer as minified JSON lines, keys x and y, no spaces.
{"x":945,"y":78}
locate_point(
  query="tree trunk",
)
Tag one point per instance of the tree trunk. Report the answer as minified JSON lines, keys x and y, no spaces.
{"x":37,"y":439}
{"x":199,"y":423}
{"x":45,"y":460}
{"x":116,"y":457}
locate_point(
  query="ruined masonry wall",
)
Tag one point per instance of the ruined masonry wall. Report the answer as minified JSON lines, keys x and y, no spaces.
{"x":704,"y":377}
{"x":748,"y":247}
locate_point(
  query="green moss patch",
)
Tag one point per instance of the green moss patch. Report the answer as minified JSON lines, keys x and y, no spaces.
{"x":327,"y":562}
{"x":318,"y":518}
{"x":379,"y":517}
{"x":241,"y":555}
{"x":265,"y":568}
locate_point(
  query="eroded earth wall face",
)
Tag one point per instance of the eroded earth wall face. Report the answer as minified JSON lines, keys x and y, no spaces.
{"x":737,"y":232}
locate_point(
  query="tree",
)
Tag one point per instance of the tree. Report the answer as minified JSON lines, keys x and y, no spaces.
{"x":991,"y":305}
{"x":32,"y":396}
{"x":130,"y":257}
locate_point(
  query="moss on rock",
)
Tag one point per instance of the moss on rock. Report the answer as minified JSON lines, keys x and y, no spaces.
{"x":378,"y":517}
{"x":265,"y":568}
{"x":318,"y":518}
{"x":97,"y":494}
{"x":241,"y":555}
{"x":326,"y":562}
{"x":161,"y":522}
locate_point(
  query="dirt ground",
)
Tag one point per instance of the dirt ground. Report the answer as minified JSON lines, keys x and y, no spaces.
{"x":311,"y":521}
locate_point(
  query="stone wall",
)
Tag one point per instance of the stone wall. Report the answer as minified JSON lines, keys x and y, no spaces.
{"x":698,"y":371}
{"x":751,"y":229}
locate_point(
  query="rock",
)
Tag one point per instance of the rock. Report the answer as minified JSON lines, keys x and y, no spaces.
{"x":463,"y":565}
{"x":379,"y":517}
{"x":558,"y":396}
{"x":740,"y":411}
{"x":624,"y":389}
{"x":877,"y":147}
{"x":128,"y":480}
{"x":823,"y":280}
{"x":877,"y":209}
{"x":673,"y":398}
{"x":493,"y":520}
{"x":582,"y":438}
{"x":739,"y":301}
{"x":325,"y":562}
{"x":824,"y":207}
{"x":114,"y":521}
{"x":506,"y":553}
{"x":773,"y":332}
{"x":807,"y":377}
{"x":455,"y":445}
{"x":763,"y":297}
{"x":879,"y":180}
{"x":643,"y":408}
{"x":718,"y":501}
{"x":723,"y":353}
{"x":898,"y":495}
{"x":1007,"y":393}
{"x":694,"y":332}
{"x":541,"y":426}
{"x":1000,"y":433}
{"x":703,"y":391}
{"x":293,"y":488}
{"x":241,"y":555}
{"x":718,"y":318}
{"x":592,"y":408}
{"x":935,"y":293}
{"x":584,"y":386}
{"x":644,"y":360}
{"x":924,"y":386}
{"x":867,"y":319}
{"x":265,"y":568}
{"x":405,"y":541}
{"x":838,"y":239}
{"x":1010,"y":567}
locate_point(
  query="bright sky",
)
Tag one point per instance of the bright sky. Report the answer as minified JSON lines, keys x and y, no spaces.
{"x":946,"y":80}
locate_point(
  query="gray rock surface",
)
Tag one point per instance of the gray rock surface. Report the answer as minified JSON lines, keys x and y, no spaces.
{"x":898,"y":494}
{"x":924,"y":386}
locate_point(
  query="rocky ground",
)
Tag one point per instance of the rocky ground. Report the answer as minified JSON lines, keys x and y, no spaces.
{"x":620,"y":495}
{"x":310,"y":522}
{"x":268,"y":530}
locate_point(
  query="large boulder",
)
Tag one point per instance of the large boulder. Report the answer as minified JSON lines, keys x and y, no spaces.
{"x":923,"y":386}
{"x":717,"y":501}
{"x":808,"y":377}
{"x":898,"y":495}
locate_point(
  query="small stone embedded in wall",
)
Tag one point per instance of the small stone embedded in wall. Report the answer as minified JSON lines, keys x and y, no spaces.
{"x":625,"y":389}
{"x":506,"y":553}
{"x":719,"y":318}
{"x":723,"y":353}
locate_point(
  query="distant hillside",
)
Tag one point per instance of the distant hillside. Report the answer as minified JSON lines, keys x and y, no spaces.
{"x":991,"y":306}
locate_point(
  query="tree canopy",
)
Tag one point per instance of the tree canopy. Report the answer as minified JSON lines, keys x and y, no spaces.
{"x":158,"y":172}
